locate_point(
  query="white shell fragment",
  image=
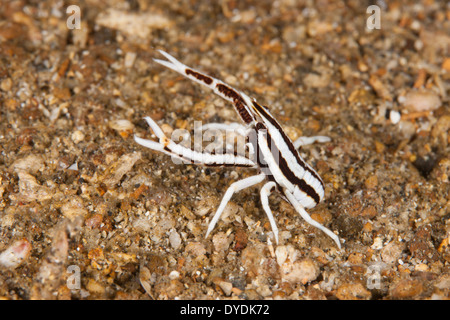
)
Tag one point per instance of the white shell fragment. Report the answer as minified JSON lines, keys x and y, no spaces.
{"x":394,"y":116}
{"x":420,"y":100}
{"x":134,"y":24}
{"x":121,"y":125}
{"x":15,"y":254}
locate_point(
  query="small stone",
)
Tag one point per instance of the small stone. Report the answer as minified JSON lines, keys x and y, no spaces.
{"x":369,"y":212}
{"x":121,"y":125}
{"x":441,"y":128}
{"x":421,"y":267}
{"x":130,"y":57}
{"x":226,"y":287}
{"x":377,"y":243}
{"x":313,"y":80}
{"x":95,"y":287}
{"x":281,"y":253}
{"x":31,"y":190}
{"x":241,"y":239}
{"x":15,"y":254}
{"x":31,"y":164}
{"x":379,"y":147}
{"x":114,"y":173}
{"x":443,"y":282}
{"x":196,"y":249}
{"x":77,"y":136}
{"x":356,"y":258}
{"x":420,"y":100}
{"x":94,"y":221}
{"x":379,"y":87}
{"x":174,"y":239}
{"x":137,"y":25}
{"x":407,"y":289}
{"x":302,"y":271}
{"x":6,"y":85}
{"x":391,"y":252}
{"x":62,"y":93}
{"x":395,"y":116}
{"x":323,"y":216}
{"x":446,"y":64}
{"x":252,"y":258}
{"x":353,"y":291}
{"x":221,"y":241}
{"x":73,"y":208}
{"x":173,"y":275}
{"x":371,"y":182}
{"x":317,"y":28}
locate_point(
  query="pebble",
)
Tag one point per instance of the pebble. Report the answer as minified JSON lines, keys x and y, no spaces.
{"x":353,"y":291}
{"x":391,"y":252}
{"x":137,"y":25}
{"x":173,"y":275}
{"x":16,"y":254}
{"x":95,"y":287}
{"x":420,"y":100}
{"x":446,"y":64}
{"x":313,"y":80}
{"x":6,"y":85}
{"x":395,"y":116}
{"x":253,"y":258}
{"x":406,"y":289}
{"x":302,"y":271}
{"x":226,"y":287}
{"x":281,"y":253}
{"x":379,"y":87}
{"x":174,"y":239}
{"x":74,"y":207}
{"x":221,"y":241}
{"x":129,"y":59}
{"x":371,"y":182}
{"x":31,"y":190}
{"x":377,"y":243}
{"x":77,"y":136}
{"x":121,"y":125}
{"x":196,"y":249}
{"x":440,"y":129}
{"x":114,"y":173}
{"x":31,"y":164}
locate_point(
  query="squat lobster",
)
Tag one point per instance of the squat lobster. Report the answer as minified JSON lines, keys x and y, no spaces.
{"x":277,"y":157}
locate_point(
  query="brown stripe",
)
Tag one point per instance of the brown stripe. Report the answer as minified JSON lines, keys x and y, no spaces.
{"x":287,"y":141}
{"x":301,"y":183}
{"x":199,"y":76}
{"x":239,"y":103}
{"x":226,"y":165}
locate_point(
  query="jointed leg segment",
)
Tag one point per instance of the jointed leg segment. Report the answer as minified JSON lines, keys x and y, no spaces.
{"x":265,"y":192}
{"x":308,"y":219}
{"x":171,"y":148}
{"x":303,"y":141}
{"x":234,"y":187}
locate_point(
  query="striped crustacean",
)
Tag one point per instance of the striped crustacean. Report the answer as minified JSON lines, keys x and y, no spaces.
{"x":274,"y":154}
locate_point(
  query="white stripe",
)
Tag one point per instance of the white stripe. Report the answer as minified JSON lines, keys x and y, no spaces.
{"x":295,"y":167}
{"x":184,"y":153}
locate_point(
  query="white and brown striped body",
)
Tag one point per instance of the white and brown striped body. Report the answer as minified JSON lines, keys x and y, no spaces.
{"x":276,"y":156}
